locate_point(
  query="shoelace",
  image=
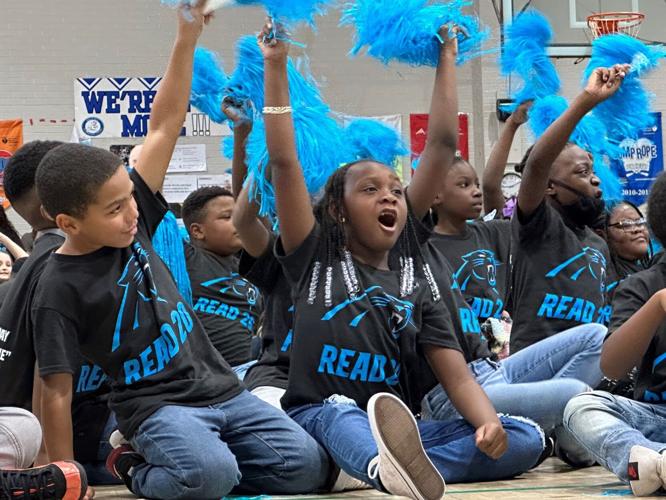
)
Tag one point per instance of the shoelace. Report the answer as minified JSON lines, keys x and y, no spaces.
{"x":26,"y":484}
{"x":373,"y":468}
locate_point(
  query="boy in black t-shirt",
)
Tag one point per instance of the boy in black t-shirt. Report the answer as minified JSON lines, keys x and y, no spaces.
{"x":628,"y":437}
{"x":194,"y":431}
{"x":227,"y":305}
{"x":559,"y":263}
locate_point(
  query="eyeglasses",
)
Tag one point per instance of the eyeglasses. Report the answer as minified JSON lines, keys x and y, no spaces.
{"x":629,"y":226}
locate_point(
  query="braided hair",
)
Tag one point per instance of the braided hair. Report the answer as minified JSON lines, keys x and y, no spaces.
{"x":333,"y":247}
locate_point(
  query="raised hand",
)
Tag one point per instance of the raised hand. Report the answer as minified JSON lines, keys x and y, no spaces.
{"x":272,"y":42}
{"x":191,"y":20}
{"x":604,"y":82}
{"x":520,"y":115}
{"x":449,"y":35}
{"x":239,"y":114}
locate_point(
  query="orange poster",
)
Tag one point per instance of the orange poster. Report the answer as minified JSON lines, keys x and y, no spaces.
{"x":11,"y":138}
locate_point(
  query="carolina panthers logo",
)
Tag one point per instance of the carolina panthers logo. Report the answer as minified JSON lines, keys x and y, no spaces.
{"x":401,"y":310}
{"x":478,"y":266}
{"x":236,"y":285}
{"x":590,"y":262}
{"x":139,"y":287}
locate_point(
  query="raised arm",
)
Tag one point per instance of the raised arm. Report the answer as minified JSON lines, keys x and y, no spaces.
{"x":469,"y":399}
{"x":442,"y":140}
{"x":493,"y":198}
{"x":291,"y":195}
{"x":172,"y":100}
{"x":251,"y":230}
{"x":15,"y":250}
{"x":602,"y":84}
{"x":242,"y":128}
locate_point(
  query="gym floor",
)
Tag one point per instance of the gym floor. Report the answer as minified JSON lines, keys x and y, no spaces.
{"x":552,"y":480}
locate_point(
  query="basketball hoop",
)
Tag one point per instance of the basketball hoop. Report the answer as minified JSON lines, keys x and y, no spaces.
{"x":609,"y":23}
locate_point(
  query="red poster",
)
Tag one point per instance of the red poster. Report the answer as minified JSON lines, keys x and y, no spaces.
{"x":11,"y":138}
{"x":418,"y":125}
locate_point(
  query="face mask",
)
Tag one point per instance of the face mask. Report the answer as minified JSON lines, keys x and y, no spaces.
{"x":585,"y":211}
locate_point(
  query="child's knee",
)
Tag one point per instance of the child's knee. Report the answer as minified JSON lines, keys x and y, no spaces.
{"x":308,"y":469}
{"x":578,"y":406}
{"x":211,"y":475}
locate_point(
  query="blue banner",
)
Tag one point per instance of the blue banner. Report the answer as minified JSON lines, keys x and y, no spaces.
{"x":641,"y":163}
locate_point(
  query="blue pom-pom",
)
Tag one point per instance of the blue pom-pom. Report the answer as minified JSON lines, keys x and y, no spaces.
{"x":525,"y":55}
{"x":208,"y":84}
{"x":373,"y":139}
{"x":168,"y":243}
{"x":628,"y":111}
{"x":407,"y":30}
{"x":544,"y":112}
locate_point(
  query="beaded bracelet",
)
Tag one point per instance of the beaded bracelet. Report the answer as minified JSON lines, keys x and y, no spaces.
{"x":277,"y":110}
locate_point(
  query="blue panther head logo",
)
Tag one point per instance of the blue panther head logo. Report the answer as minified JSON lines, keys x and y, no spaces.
{"x":590,"y":262}
{"x":401,"y":311}
{"x":236,"y":285}
{"x":478,"y":266}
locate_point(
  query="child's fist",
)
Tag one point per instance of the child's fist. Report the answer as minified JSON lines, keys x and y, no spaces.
{"x":491,"y":439}
{"x":272,"y":41}
{"x":604,"y":82}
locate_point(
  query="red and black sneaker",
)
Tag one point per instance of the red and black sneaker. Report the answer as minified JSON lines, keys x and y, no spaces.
{"x":58,"y":480}
{"x":121,"y":461}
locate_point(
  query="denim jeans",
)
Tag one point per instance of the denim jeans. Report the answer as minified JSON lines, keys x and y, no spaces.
{"x":241,"y":370}
{"x":97,"y":473}
{"x":343,"y":430}
{"x":242,"y":444}
{"x":536,"y":382}
{"x":608,"y":426}
{"x":20,"y":438}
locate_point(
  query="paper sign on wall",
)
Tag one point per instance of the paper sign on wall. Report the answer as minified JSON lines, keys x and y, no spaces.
{"x":188,"y":158}
{"x":177,"y":187}
{"x":222,"y":180}
{"x":120,"y":107}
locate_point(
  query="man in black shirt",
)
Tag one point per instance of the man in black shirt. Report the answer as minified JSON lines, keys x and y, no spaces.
{"x":194,"y":431}
{"x":227,"y":305}
{"x":559,"y":263}
{"x":628,"y":436}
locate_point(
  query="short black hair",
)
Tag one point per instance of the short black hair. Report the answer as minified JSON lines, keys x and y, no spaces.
{"x":194,"y":206}
{"x":20,"y":171}
{"x":657,"y":209}
{"x":70,"y":176}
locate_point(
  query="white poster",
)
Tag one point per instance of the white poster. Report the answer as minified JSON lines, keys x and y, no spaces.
{"x":120,"y":107}
{"x":177,"y":187}
{"x":222,"y":180}
{"x":188,"y":158}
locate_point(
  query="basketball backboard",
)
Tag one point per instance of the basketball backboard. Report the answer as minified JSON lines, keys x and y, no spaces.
{"x":569,"y":20}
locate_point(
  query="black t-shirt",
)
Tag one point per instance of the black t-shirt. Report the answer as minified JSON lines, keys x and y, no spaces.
{"x":480,"y":259}
{"x":359,"y":347}
{"x":227,"y":305}
{"x":130,"y":319}
{"x":272,"y":368}
{"x":620,"y":269}
{"x":17,"y":353}
{"x":631,"y":295}
{"x":90,"y":410}
{"x":559,"y":277}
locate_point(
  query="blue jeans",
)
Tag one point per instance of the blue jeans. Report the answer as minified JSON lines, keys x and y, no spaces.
{"x":536,"y":382}
{"x":242,"y":444}
{"x":96,"y":471}
{"x":608,"y":426}
{"x":343,"y":430}
{"x":241,"y":370}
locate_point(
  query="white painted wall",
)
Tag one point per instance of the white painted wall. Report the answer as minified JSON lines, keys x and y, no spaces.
{"x":47,"y":44}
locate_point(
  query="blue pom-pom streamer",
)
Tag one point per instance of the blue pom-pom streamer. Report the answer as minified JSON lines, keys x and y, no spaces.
{"x":368,"y":138}
{"x":628,"y":111}
{"x":208,"y":84}
{"x":525,"y":56}
{"x":168,"y":243}
{"x":407,"y":30}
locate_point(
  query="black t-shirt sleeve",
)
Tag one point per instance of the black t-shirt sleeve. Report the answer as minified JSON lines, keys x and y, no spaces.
{"x":18,"y":264}
{"x":297,"y":266}
{"x":535,"y":225}
{"x":631,"y":295}
{"x":262,"y":271}
{"x":56,"y":345}
{"x":152,"y":206}
{"x":437,"y":327}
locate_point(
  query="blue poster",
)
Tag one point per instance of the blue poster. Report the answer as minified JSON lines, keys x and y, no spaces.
{"x":641,"y":163}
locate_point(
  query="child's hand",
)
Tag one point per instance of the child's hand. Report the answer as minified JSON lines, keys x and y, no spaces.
{"x":520,"y":115}
{"x":272,"y":42}
{"x":191,"y":21}
{"x":491,"y":439}
{"x":238,"y":114}
{"x":604,"y":82}
{"x":90,"y":494}
{"x":449,"y":35}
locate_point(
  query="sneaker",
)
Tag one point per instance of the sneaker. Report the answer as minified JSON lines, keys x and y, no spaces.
{"x":646,"y":471}
{"x":547,"y":452}
{"x":121,"y":461}
{"x":116,"y":440}
{"x":345,"y":482}
{"x":404,"y":467}
{"x":58,"y":480}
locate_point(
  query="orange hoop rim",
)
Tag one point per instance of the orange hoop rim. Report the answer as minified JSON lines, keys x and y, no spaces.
{"x":605,"y":23}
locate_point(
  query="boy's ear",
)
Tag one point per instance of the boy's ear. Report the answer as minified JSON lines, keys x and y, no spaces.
{"x":66,"y":223}
{"x":196,"y":231}
{"x":550,"y":190}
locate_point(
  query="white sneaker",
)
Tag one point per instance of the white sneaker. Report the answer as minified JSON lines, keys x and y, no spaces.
{"x":117,"y":439}
{"x":404,"y":467}
{"x":345,"y":482}
{"x":646,"y":470}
